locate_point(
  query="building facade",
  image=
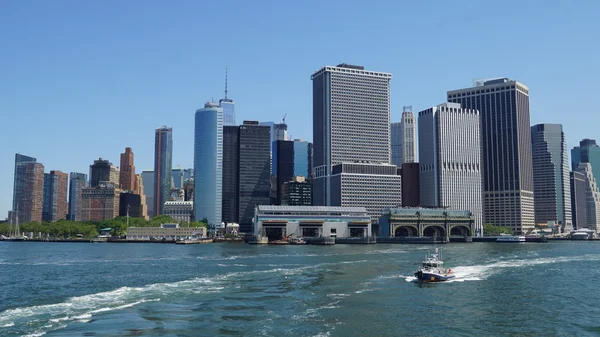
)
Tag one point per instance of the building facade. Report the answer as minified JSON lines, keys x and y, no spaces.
{"x":450,"y":160}
{"x":586,"y":196}
{"x":587,"y":152}
{"x":100,"y":203}
{"x":127,"y":171}
{"x":297,"y":192}
{"x":551,"y":187}
{"x":231,"y":147}
{"x":372,"y":186}
{"x":410,"y":185}
{"x":404,"y":139}
{"x":427,"y":222}
{"x":100,"y":171}
{"x":178,"y":175}
{"x":506,"y":151}
{"x":130,"y":204}
{"x":169,"y":232}
{"x":302,"y":158}
{"x":276,"y":222}
{"x":163,"y":164}
{"x":228,"y":106}
{"x":283,"y":165}
{"x":351,"y":123}
{"x":254,"y":171}
{"x":28,"y":189}
{"x":208,"y":163}
{"x":77,"y":181}
{"x":148,"y":182}
{"x":55,"y":206}
{"x":181,"y":211}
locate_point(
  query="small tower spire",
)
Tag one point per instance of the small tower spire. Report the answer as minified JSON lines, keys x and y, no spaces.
{"x":225,"y":83}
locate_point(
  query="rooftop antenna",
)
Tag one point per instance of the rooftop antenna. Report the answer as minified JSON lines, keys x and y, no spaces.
{"x":225,"y":83}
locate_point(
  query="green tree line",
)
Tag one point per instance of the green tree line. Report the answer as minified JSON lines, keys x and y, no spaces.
{"x":89,"y":229}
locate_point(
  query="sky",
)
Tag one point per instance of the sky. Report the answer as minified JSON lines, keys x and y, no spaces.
{"x":81,"y":80}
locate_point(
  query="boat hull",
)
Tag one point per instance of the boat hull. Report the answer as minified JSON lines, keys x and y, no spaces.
{"x":432,"y":277}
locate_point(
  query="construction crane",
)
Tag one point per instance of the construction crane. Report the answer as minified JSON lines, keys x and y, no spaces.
{"x":283,"y":119}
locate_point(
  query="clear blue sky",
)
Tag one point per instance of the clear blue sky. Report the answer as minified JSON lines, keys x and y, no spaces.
{"x":84,"y":79}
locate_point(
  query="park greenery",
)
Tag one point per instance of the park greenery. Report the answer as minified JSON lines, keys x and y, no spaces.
{"x":491,"y":230}
{"x":89,"y":229}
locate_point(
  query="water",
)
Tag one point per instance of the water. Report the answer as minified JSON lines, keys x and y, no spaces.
{"x":81,"y":289}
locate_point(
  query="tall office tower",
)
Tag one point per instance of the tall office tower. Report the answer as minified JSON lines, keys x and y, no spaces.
{"x":450,"y":160}
{"x":148,"y":182}
{"x":283,"y":165}
{"x":139,"y":190}
{"x":551,"y":188}
{"x":208,"y":164}
{"x":254,"y":171}
{"x":178,"y":174}
{"x":100,"y":171}
{"x":101,"y":202}
{"x":55,"y":206}
{"x":163,"y":164}
{"x":28,"y":189}
{"x":77,"y":181}
{"x":302,"y":158}
{"x":115,"y":175}
{"x":404,"y":138}
{"x":587,"y":152}
{"x":351,"y":125}
{"x":506,"y":151}
{"x":410,"y":185}
{"x":127,"y":171}
{"x":228,"y":106}
{"x":586,"y":203}
{"x":231,"y":177}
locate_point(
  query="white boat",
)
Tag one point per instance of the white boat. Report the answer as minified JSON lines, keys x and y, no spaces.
{"x":510,"y":238}
{"x":432,"y":269}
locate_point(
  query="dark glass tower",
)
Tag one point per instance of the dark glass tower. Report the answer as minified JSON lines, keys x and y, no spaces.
{"x":254,"y":171}
{"x":551,"y":186}
{"x":99,"y":172}
{"x":283,"y":164}
{"x":231,"y":144}
{"x":163,"y":164}
{"x":506,"y":151}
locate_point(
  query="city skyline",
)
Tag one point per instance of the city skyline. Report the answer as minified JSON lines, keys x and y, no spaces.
{"x":150,"y":74}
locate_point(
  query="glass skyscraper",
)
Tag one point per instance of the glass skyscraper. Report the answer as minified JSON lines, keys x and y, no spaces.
{"x":55,"y":205}
{"x":228,"y":106}
{"x":231,"y":148}
{"x":163,"y":163}
{"x":208,"y":164}
{"x":77,"y":182}
{"x":178,"y":174}
{"x":148,"y":182}
{"x":302,"y":158}
{"x":587,"y":152}
{"x":551,"y":188}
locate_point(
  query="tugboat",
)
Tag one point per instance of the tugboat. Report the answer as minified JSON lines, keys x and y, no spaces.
{"x":432,"y":269}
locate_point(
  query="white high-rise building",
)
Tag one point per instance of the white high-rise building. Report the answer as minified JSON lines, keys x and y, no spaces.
{"x":351,"y":124}
{"x":404,"y":139}
{"x":587,"y":200}
{"x":450,"y":159}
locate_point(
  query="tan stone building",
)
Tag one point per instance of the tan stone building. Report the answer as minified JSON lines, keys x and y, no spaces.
{"x":165,"y":231}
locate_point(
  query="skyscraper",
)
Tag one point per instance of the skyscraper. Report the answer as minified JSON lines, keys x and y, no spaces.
{"x":228,"y":106}
{"x":115,"y":175}
{"x":55,"y":205}
{"x":404,"y":138}
{"x":127,"y":171}
{"x":77,"y":182}
{"x":586,"y":198}
{"x":587,"y":152}
{"x":551,"y":188}
{"x":147,"y":177}
{"x":231,"y":148}
{"x":283,"y":165}
{"x":450,"y":160}
{"x":208,"y":163}
{"x":302,"y":158}
{"x":506,"y":151}
{"x":178,"y":174}
{"x":100,"y":171}
{"x":163,"y":162}
{"x":254,"y":171}
{"x":351,"y":126}
{"x":28,"y":189}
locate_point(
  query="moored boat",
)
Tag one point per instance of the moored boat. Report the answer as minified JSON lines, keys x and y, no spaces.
{"x":432,"y":269}
{"x":510,"y":238}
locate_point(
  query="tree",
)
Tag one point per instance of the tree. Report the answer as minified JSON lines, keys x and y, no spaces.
{"x":491,"y":230}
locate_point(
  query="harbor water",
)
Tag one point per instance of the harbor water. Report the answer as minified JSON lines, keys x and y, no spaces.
{"x":104,"y":289}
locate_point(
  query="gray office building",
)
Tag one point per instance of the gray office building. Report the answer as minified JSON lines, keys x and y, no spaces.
{"x":404,"y":138}
{"x":254,"y":171}
{"x":351,"y":124}
{"x":551,"y":185}
{"x":77,"y":181}
{"x":450,"y":160}
{"x":506,"y":151}
{"x":148,"y":182}
{"x":163,"y":165}
{"x":231,"y":148}
{"x":586,"y":198}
